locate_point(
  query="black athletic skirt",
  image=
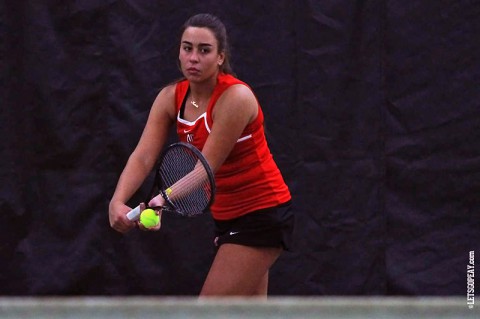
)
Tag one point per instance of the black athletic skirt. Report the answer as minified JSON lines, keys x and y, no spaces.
{"x":270,"y":227}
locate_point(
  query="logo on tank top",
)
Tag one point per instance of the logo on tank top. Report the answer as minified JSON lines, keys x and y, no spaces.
{"x":190,"y":138}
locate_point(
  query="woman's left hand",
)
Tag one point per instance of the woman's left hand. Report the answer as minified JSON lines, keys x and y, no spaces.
{"x":158,"y":212}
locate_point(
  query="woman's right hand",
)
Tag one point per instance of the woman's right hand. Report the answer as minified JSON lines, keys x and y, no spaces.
{"x":117,"y":214}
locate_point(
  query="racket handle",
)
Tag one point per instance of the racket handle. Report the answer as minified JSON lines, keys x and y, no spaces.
{"x":134,"y":214}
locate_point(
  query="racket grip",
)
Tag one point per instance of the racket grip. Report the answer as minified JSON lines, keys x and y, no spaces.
{"x":134,"y":214}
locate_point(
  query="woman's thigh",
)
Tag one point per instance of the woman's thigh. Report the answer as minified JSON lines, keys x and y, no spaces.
{"x":240,"y":270}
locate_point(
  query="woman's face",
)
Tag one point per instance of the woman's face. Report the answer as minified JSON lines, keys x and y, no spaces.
{"x":199,"y":56}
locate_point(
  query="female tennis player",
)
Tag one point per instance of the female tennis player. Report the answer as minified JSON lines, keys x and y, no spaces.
{"x":220,"y":115}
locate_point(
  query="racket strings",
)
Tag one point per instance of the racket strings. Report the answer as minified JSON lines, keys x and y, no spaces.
{"x":182,"y":170}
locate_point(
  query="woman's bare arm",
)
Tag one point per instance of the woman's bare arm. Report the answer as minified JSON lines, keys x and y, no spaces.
{"x":144,"y":156}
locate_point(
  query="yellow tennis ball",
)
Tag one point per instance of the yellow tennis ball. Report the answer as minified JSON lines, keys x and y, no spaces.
{"x":149,"y":218}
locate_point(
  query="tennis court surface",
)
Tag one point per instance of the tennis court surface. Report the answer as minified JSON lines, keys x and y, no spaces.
{"x":226,"y":308}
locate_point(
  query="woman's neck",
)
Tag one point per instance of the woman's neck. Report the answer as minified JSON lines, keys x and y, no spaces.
{"x":203,"y":90}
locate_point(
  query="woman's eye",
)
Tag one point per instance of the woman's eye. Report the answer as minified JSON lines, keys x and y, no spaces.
{"x":187,"y":48}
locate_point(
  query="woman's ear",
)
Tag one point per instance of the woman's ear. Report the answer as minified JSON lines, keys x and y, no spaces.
{"x":221,"y":59}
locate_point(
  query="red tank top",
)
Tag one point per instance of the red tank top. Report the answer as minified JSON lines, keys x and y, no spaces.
{"x":249,"y":179}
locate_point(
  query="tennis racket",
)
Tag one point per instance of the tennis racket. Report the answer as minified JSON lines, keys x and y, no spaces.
{"x":184,"y":179}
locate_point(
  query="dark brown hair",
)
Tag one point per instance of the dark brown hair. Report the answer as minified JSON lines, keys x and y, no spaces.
{"x":214,"y":24}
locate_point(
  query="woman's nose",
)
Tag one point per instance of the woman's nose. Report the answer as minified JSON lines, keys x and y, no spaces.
{"x":194,"y":55}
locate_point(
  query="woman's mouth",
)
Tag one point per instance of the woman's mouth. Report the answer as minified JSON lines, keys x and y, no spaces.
{"x":193,"y":71}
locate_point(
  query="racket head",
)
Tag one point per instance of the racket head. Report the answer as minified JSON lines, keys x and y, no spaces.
{"x":177,"y":161}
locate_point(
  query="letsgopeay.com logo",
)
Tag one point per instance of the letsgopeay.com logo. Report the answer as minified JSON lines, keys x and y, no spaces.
{"x":471,"y":280}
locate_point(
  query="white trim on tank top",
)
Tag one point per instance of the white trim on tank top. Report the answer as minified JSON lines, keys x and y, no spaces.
{"x":204,"y":116}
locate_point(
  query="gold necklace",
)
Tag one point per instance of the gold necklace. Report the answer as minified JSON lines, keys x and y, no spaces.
{"x":194,"y":103}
